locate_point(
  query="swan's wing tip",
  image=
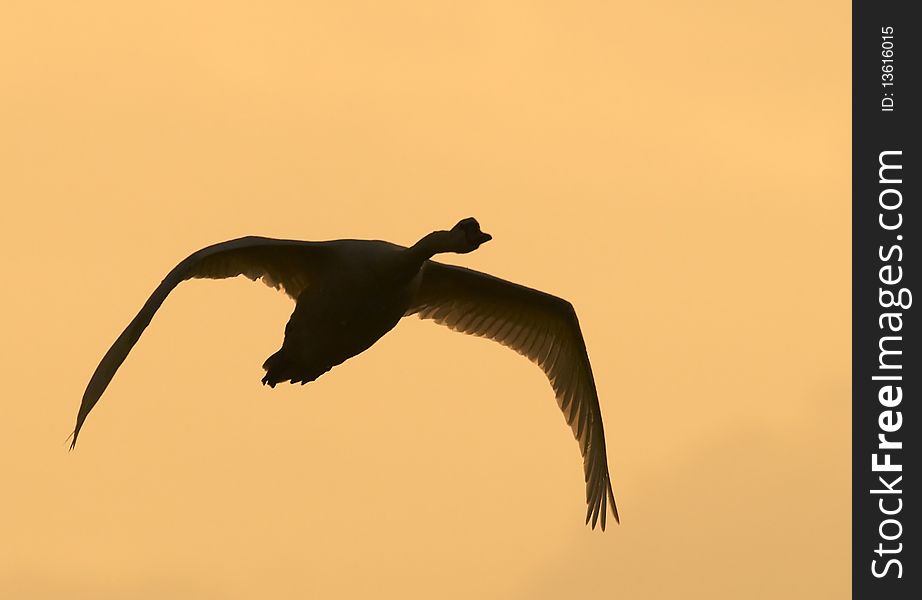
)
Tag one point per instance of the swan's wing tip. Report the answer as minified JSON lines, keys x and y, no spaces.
{"x":597,"y":512}
{"x":614,"y":507}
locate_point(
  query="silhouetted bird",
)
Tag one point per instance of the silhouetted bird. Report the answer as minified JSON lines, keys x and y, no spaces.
{"x":349,"y":293}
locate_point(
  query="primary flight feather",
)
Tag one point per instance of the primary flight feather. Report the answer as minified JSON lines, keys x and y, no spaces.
{"x":349,"y":293}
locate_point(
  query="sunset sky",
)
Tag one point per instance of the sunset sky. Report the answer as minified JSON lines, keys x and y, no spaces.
{"x":679,"y":171}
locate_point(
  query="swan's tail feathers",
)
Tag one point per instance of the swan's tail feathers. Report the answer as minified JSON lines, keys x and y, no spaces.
{"x":282,"y":366}
{"x":275,"y":367}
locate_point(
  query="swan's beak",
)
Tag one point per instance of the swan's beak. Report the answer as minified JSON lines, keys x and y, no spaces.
{"x":485,"y":237}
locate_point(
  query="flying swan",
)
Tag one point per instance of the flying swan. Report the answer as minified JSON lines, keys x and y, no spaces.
{"x":349,"y":293}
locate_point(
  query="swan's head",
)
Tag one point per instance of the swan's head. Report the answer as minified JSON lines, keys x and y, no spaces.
{"x":468,"y":235}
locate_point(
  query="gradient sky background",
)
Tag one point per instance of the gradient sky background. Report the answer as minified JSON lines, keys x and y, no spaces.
{"x":678,"y":170}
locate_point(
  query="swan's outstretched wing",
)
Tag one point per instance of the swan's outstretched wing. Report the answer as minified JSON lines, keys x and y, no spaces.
{"x":537,"y":325}
{"x":282,"y":264}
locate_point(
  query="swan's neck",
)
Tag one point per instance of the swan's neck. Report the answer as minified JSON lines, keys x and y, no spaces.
{"x":432,"y":244}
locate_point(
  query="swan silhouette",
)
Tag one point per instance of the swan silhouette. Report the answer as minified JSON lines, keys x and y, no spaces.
{"x":349,"y":293}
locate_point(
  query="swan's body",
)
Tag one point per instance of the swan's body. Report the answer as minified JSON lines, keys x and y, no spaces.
{"x":349,"y":293}
{"x":364,"y":291}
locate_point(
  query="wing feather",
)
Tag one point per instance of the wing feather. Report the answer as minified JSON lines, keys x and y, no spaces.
{"x":283,"y":264}
{"x":543,"y":328}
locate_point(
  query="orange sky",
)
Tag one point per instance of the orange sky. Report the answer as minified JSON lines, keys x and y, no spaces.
{"x":679,"y":171}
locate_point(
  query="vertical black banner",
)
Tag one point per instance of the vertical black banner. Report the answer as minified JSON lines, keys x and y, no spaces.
{"x":886,"y":379}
